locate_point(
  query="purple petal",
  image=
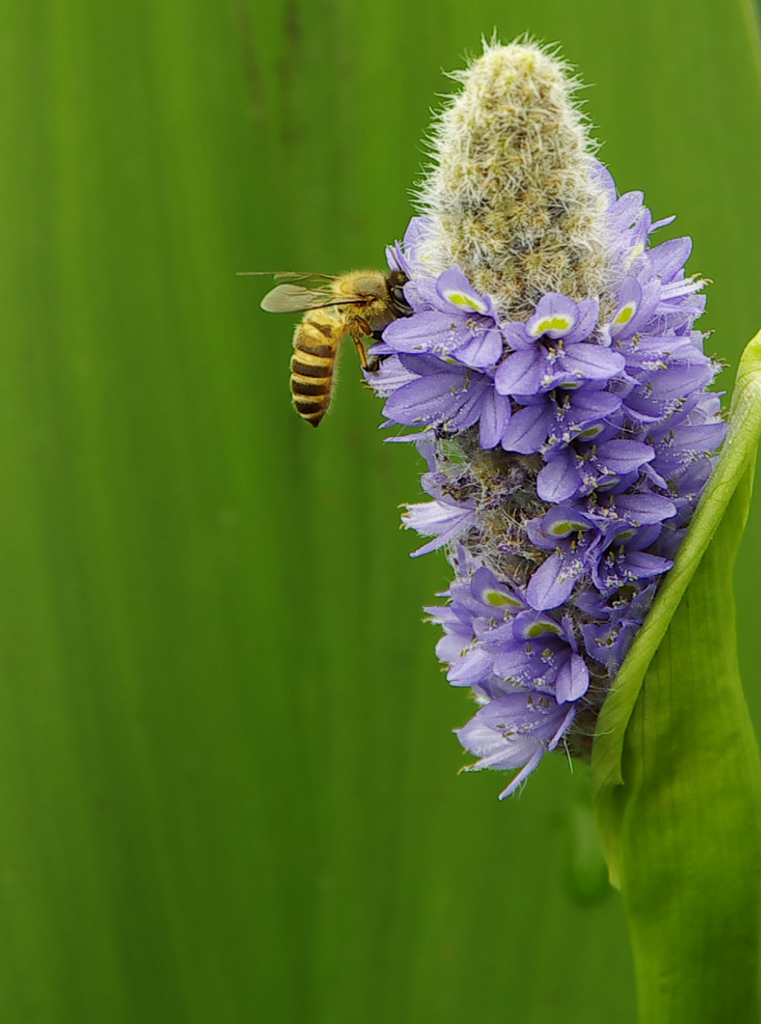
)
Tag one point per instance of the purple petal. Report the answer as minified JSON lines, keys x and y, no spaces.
{"x":678,"y":381}
{"x":625,"y":211}
{"x":425,"y":364}
{"x":423,"y":332}
{"x":703,"y":437}
{"x":591,"y":362}
{"x":643,"y":566}
{"x":484,"y":348}
{"x":559,"y":480}
{"x":562,"y":521}
{"x":473,"y":667}
{"x":668,"y":258}
{"x":521,"y":372}
{"x":487,"y":589}
{"x":587,"y":311}
{"x":433,"y":398}
{"x":446,"y":522}
{"x":662,"y":223}
{"x":651,"y":296}
{"x":516,"y":337}
{"x":493,"y":420}
{"x":527,"y":430}
{"x":602,"y":177}
{"x":555,"y":316}
{"x":531,"y":625}
{"x":515,"y":666}
{"x":551,"y":585}
{"x":454,"y":287}
{"x":590,"y":406}
{"x":573,"y":680}
{"x":629,"y":299}
{"x":641,"y":509}
{"x":467,"y":414}
{"x":620,"y":456}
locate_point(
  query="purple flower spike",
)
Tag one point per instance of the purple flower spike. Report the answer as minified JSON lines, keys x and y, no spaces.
{"x":557,"y":386}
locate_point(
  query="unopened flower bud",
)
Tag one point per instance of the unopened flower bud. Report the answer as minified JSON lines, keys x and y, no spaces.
{"x":514,"y":198}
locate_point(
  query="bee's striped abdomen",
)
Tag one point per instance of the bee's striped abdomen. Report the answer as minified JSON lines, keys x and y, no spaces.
{"x":315,"y":345}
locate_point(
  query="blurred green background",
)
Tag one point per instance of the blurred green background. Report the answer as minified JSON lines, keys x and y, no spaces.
{"x":228,"y":784}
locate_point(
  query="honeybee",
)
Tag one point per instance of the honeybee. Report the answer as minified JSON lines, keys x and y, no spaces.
{"x":360,"y":303}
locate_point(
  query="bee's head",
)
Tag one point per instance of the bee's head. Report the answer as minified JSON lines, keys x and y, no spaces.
{"x":396,"y":281}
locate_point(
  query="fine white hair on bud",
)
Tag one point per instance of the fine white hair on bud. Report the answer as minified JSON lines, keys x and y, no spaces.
{"x":513,"y":198}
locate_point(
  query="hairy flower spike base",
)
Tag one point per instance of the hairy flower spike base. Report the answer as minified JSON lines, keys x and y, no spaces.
{"x":557,"y":390}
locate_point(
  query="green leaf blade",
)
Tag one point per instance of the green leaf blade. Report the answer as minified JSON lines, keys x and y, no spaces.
{"x":735,"y":468}
{"x":676,"y":766}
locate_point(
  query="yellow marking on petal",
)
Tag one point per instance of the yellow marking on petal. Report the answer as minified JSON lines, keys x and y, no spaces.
{"x":497,"y":598}
{"x":539,"y":628}
{"x":561,"y":529}
{"x":461,"y":299}
{"x":552,"y":323}
{"x":625,"y":314}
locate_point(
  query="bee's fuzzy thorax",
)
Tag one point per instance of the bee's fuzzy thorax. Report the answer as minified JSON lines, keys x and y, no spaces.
{"x":512,"y":196}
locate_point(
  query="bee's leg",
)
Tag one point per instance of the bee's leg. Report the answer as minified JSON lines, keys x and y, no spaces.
{"x":363,"y":330}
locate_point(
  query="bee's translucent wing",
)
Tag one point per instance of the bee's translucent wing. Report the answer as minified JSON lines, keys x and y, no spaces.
{"x":305,"y":280}
{"x":294,"y":298}
{"x":298,"y":291}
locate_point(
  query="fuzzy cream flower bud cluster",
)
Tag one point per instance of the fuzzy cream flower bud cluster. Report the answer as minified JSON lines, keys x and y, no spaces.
{"x":512,"y":198}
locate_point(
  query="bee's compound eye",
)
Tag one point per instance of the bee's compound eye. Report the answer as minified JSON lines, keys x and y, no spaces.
{"x":398,"y":293}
